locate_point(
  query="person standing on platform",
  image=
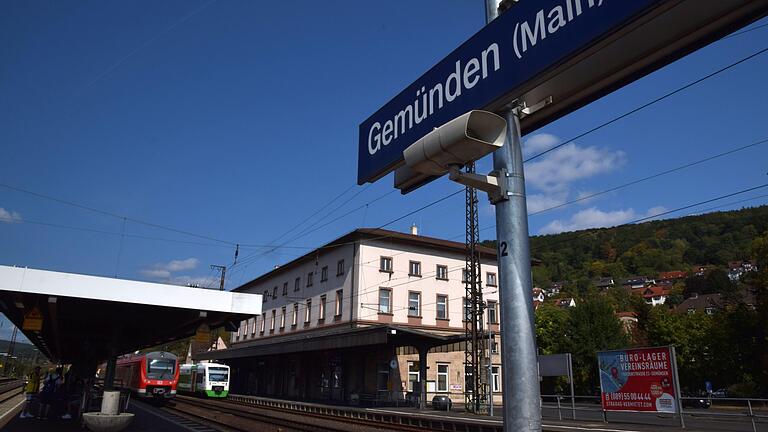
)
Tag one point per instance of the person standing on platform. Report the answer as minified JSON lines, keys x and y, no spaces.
{"x":50,"y":390}
{"x":31,"y":391}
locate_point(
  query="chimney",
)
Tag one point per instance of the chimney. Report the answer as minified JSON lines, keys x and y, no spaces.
{"x":414,"y":229}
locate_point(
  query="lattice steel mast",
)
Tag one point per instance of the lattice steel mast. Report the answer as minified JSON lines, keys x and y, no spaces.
{"x":474,"y":390}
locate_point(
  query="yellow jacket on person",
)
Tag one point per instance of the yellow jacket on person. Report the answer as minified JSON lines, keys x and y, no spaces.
{"x":33,"y":383}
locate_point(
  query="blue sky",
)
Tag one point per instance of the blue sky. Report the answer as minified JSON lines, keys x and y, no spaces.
{"x":237,"y":120}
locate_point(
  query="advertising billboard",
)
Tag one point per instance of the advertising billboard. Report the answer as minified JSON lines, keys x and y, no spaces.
{"x":640,"y":379}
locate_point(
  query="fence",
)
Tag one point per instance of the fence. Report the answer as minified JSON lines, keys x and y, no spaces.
{"x":589,"y":408}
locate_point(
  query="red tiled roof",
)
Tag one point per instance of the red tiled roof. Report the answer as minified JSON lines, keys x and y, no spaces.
{"x":654,"y":291}
{"x":672,"y":275}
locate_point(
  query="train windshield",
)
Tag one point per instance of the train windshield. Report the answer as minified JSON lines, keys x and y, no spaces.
{"x":218,"y":374}
{"x":161,"y":369}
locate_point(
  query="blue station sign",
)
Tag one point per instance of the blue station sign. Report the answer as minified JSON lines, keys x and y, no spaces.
{"x":529,"y":45}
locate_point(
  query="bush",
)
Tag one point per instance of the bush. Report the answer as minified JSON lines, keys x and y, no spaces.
{"x":744,"y":390}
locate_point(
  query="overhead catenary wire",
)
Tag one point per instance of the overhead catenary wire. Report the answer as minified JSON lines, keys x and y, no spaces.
{"x":648,"y":104}
{"x":372,"y":288}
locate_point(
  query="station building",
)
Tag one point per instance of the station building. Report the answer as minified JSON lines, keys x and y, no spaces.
{"x":365,"y":316}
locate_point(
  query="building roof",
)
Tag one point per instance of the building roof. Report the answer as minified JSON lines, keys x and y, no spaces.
{"x":382,"y":235}
{"x":700,"y":302}
{"x":677,"y":274}
{"x":653,"y":291}
{"x":604,"y":282}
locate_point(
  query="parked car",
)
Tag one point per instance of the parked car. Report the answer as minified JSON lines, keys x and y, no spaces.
{"x":442,"y":402}
{"x":721,"y":393}
{"x":696,"y":402}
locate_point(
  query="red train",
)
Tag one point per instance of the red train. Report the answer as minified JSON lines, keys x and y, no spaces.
{"x":149,"y":375}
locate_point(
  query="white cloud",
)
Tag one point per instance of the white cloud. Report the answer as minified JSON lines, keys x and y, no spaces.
{"x":595,"y":218}
{"x":570,"y":163}
{"x":164,"y":271}
{"x":551,"y":178}
{"x":9,"y":216}
{"x":539,"y":202}
{"x":539,"y":143}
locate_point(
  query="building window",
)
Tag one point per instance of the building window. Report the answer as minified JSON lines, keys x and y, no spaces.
{"x":413,"y":375}
{"x":272,"y":323}
{"x":414,"y":268}
{"x":495,"y":372}
{"x":322,"y":308}
{"x":492,"y":312}
{"x":385,"y":264}
{"x":385,"y":300}
{"x":285,"y":288}
{"x":274,"y":292}
{"x":266,"y":296}
{"x":442,"y":377}
{"x":490,"y":279}
{"x":339,"y":297}
{"x":441,"y":272}
{"x":464,"y":275}
{"x":282,"y":318}
{"x":297,"y":284}
{"x":340,"y":268}
{"x":324,"y":274}
{"x":295,"y":317}
{"x":308,"y":311}
{"x":691,"y":310}
{"x":252,"y":325}
{"x":263,"y":323}
{"x":494,"y":347}
{"x":414,"y":303}
{"x":442,"y":307}
{"x":709,"y":310}
{"x":310,"y":276}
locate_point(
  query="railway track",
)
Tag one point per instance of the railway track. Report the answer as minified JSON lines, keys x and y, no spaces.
{"x":11,"y":398}
{"x":233,"y":416}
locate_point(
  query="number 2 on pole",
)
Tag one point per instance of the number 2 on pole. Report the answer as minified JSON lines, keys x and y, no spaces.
{"x":503,"y":248}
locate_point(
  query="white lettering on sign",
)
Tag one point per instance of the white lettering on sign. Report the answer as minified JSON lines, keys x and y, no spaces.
{"x":463,"y":77}
{"x":527,"y":35}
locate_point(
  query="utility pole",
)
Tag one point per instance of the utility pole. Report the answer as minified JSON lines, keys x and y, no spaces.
{"x":522,"y":399}
{"x":223,"y":270}
{"x":213,"y":344}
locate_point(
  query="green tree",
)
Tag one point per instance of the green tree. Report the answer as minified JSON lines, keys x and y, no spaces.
{"x":592,"y":327}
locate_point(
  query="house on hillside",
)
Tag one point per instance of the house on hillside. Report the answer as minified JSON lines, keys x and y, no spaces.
{"x":555,"y":288}
{"x":701,"y":270}
{"x":566,"y":303}
{"x":538,"y":295}
{"x":604,"y":283}
{"x":656,"y":295}
{"x":707,"y":303}
{"x":711,"y":303}
{"x":669,"y":278}
{"x":736,"y":269}
{"x":635,"y":282}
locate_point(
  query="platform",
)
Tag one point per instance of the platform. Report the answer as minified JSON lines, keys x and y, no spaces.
{"x":148,"y":419}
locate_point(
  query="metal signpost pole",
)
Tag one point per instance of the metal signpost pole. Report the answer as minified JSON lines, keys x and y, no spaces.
{"x":676,"y":379}
{"x":522,"y":400}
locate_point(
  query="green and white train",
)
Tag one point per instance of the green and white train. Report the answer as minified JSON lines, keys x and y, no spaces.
{"x":204,"y":379}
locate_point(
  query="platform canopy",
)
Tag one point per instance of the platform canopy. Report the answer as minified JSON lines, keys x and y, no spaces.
{"x":337,"y":338}
{"x":73,"y":317}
